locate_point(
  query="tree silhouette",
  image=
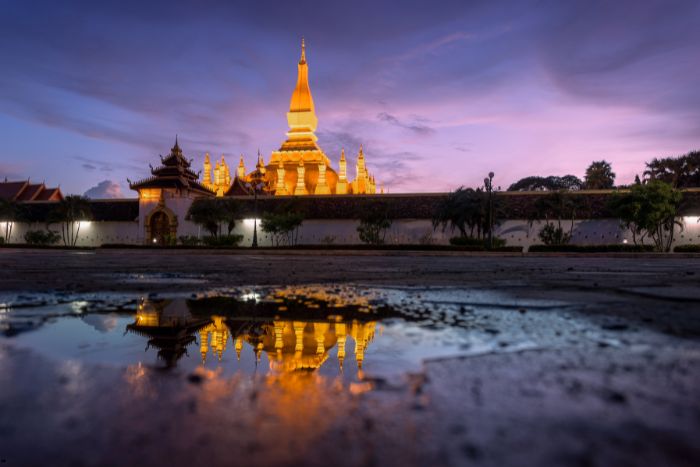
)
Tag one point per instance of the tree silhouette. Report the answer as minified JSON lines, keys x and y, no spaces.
{"x":599,"y":176}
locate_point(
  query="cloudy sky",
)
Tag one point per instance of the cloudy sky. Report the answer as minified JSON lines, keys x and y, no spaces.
{"x":439,"y":92}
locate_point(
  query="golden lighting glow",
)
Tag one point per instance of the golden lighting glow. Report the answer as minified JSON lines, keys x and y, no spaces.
{"x":299,"y":167}
{"x":150,"y":194}
{"x":289,"y":344}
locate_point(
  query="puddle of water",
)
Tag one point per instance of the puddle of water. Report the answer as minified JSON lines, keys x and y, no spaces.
{"x":333,"y":331}
{"x":336,"y":333}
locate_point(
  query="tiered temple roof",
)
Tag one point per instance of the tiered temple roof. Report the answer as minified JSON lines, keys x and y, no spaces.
{"x":174,"y":172}
{"x":24,"y":191}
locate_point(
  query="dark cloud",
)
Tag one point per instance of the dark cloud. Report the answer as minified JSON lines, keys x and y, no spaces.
{"x":104,"y":190}
{"x":415,"y":126}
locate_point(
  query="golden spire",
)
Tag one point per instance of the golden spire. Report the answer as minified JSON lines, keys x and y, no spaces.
{"x":301,"y":98}
{"x":241,"y":168}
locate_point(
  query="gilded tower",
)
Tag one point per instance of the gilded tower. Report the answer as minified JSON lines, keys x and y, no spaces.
{"x":299,"y":166}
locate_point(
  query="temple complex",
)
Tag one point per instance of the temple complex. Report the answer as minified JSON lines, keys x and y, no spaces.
{"x":299,"y":167}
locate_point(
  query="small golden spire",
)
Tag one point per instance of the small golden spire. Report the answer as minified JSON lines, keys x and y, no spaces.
{"x":303,"y":51}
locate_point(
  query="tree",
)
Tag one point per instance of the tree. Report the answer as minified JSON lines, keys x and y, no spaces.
{"x":649,"y":211}
{"x":551,"y":183}
{"x":70,"y":212}
{"x":230,"y":212}
{"x":680,"y":172}
{"x":373,"y":224}
{"x":553,"y":209}
{"x":283,"y":227}
{"x":10,"y":212}
{"x":464,"y":210}
{"x":599,"y":176}
{"x":206,"y":212}
{"x":211,"y":213}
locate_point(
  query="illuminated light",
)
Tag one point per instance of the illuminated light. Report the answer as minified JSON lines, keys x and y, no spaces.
{"x":624,"y":241}
{"x":84,"y":224}
{"x":149,"y":194}
{"x":691,"y":219}
{"x":250,"y":296}
{"x":155,"y":240}
{"x":250,"y":222}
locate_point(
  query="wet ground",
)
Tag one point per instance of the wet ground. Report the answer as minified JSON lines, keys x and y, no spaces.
{"x":146,"y":358}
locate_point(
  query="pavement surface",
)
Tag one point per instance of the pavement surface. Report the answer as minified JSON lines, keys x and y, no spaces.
{"x":610,"y":375}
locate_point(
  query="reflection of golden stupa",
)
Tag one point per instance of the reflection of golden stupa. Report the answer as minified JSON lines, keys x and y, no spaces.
{"x":213,"y":337}
{"x":290,"y":345}
{"x":299,"y":166}
{"x":304,"y":345}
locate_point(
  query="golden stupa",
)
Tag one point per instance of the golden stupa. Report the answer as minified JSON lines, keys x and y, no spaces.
{"x":299,"y":166}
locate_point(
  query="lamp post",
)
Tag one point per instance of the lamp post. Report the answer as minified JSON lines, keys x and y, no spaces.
{"x":488,"y":184}
{"x":256,"y":186}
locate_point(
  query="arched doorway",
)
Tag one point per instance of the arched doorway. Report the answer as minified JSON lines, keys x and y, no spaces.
{"x":160,"y":228}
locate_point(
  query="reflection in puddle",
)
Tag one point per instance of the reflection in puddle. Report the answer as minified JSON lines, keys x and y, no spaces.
{"x":288,"y":345}
{"x":330,"y":331}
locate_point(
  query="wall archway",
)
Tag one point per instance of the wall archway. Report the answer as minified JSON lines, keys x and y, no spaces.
{"x":161,"y":226}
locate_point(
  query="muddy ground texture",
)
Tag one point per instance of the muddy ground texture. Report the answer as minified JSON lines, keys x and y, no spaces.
{"x":613,"y":377}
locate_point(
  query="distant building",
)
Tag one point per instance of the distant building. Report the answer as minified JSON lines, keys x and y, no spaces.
{"x":24,"y":191}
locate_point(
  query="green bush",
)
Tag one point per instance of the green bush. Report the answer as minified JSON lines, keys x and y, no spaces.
{"x":189,"y":240}
{"x":222,"y":240}
{"x":553,"y":235}
{"x":614,"y":248}
{"x":477,"y":242}
{"x":41,"y":237}
{"x":283,"y":227}
{"x":687,"y":249}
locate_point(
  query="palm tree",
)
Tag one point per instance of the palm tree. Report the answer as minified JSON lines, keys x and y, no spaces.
{"x":10,"y":212}
{"x":599,"y":176}
{"x":465,"y":210}
{"x":69,"y":213}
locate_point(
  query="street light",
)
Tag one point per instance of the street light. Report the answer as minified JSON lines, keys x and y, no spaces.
{"x":488,"y":184}
{"x":256,"y":186}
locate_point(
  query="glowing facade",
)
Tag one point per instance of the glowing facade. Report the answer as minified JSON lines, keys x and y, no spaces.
{"x":220,"y":182}
{"x":299,"y":166}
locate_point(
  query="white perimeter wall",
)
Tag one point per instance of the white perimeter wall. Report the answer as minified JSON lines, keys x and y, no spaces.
{"x":406,"y":231}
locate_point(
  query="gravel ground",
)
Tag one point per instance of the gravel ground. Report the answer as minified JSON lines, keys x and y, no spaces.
{"x":612,"y":377}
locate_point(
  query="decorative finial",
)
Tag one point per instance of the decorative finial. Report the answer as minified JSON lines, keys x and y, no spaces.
{"x":342,"y":154}
{"x":303,"y":51}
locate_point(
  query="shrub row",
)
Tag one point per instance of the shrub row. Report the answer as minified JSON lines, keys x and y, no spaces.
{"x":613,"y":248}
{"x":687,"y":249}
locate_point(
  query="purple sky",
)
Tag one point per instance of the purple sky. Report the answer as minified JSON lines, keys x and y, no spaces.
{"x":439,"y":93}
